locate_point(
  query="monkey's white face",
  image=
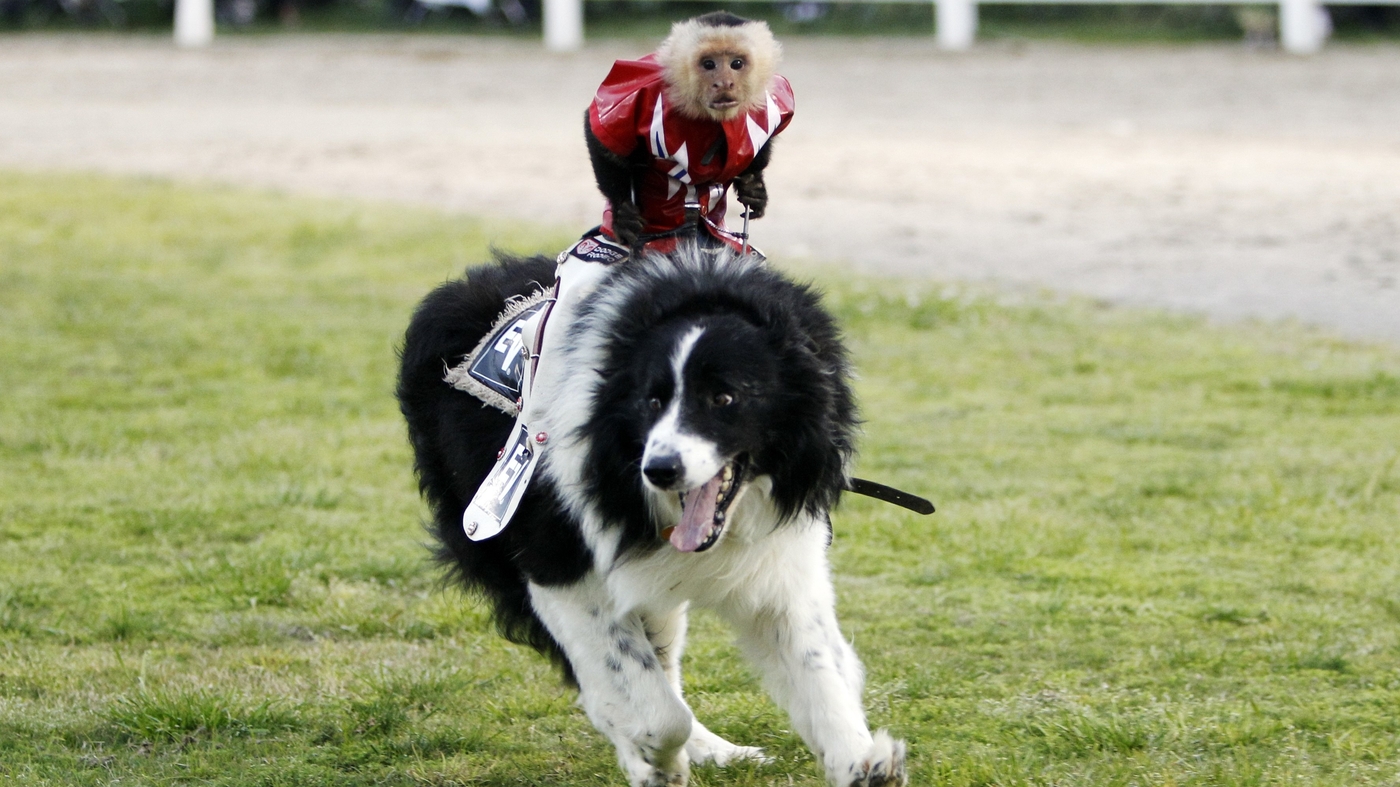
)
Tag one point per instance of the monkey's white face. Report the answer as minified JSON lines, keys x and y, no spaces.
{"x":726,"y":79}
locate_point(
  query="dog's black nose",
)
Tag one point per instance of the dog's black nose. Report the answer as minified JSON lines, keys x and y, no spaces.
{"x":664,"y":471}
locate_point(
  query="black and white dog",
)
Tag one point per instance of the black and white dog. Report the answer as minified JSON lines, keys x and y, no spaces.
{"x":696,"y":445}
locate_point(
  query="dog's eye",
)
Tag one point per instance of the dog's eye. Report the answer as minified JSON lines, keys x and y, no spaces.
{"x":723,"y":399}
{"x":654,"y":404}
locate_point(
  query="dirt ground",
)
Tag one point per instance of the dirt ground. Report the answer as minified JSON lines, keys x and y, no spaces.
{"x":1210,"y":179}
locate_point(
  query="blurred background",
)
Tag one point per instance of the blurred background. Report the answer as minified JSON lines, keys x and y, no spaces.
{"x":1100,"y":22}
{"x":1162,"y":155}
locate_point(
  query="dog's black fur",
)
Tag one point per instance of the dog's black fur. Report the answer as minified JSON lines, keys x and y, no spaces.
{"x":766,"y":337}
{"x":805,"y":407}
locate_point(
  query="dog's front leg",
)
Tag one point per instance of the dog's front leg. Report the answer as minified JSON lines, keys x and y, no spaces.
{"x":667,"y":634}
{"x":622,"y":685}
{"x":811,"y":670}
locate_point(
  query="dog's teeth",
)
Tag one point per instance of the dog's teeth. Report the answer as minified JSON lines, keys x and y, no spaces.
{"x":728,"y":473}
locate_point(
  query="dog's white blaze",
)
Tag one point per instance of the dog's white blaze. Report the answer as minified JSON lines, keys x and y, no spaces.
{"x":699,"y":457}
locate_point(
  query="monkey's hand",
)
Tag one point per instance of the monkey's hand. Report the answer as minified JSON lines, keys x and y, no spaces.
{"x":627,"y":222}
{"x":752,"y":193}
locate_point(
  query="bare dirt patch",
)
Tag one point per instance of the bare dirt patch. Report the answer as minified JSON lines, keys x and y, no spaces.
{"x":1210,"y":179}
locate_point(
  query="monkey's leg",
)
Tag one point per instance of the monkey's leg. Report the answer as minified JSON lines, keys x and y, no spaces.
{"x":494,"y":503}
{"x":576,"y":278}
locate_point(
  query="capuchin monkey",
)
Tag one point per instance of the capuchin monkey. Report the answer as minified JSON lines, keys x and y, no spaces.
{"x":696,"y":116}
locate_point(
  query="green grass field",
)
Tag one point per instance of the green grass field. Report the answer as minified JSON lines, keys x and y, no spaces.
{"x":1166,"y":552}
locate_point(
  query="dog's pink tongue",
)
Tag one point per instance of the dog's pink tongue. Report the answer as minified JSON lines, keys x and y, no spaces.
{"x":697,"y":518}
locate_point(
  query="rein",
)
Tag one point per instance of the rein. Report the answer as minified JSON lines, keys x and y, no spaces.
{"x":890,"y":495}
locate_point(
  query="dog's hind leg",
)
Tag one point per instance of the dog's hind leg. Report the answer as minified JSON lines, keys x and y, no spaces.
{"x":667,"y":635}
{"x":622,"y":685}
{"x":792,"y":636}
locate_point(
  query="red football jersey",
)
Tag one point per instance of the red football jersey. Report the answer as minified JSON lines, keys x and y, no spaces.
{"x":631,"y":110}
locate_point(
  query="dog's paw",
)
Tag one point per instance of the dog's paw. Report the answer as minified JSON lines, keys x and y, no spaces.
{"x":705,"y":747}
{"x":882,"y":765}
{"x":643,"y":769}
{"x":662,"y":779}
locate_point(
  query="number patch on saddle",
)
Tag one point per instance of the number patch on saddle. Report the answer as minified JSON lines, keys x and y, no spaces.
{"x":494,"y":372}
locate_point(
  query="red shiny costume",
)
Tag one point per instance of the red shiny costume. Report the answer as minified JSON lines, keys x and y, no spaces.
{"x":691,"y":162}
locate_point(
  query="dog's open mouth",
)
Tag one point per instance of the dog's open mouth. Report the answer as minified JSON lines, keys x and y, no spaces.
{"x":705,"y":509}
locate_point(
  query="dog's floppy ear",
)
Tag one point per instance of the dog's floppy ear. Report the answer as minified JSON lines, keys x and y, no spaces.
{"x":814,"y":429}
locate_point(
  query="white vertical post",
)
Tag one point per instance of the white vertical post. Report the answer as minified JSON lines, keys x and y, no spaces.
{"x":194,"y":22}
{"x":1302,"y":26}
{"x":955,"y":24}
{"x":563,"y":25}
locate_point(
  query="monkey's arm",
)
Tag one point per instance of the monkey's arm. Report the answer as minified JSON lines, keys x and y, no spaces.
{"x":614,"y":178}
{"x":749,"y":188}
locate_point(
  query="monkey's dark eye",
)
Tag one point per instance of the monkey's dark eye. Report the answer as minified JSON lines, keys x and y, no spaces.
{"x":737,"y":64}
{"x":723,"y":400}
{"x":708,"y":64}
{"x":654,"y":404}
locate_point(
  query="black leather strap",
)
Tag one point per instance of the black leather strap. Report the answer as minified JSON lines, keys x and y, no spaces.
{"x":891,"y":495}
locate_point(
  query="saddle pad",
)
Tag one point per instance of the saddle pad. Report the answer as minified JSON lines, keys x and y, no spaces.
{"x":494,"y":371}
